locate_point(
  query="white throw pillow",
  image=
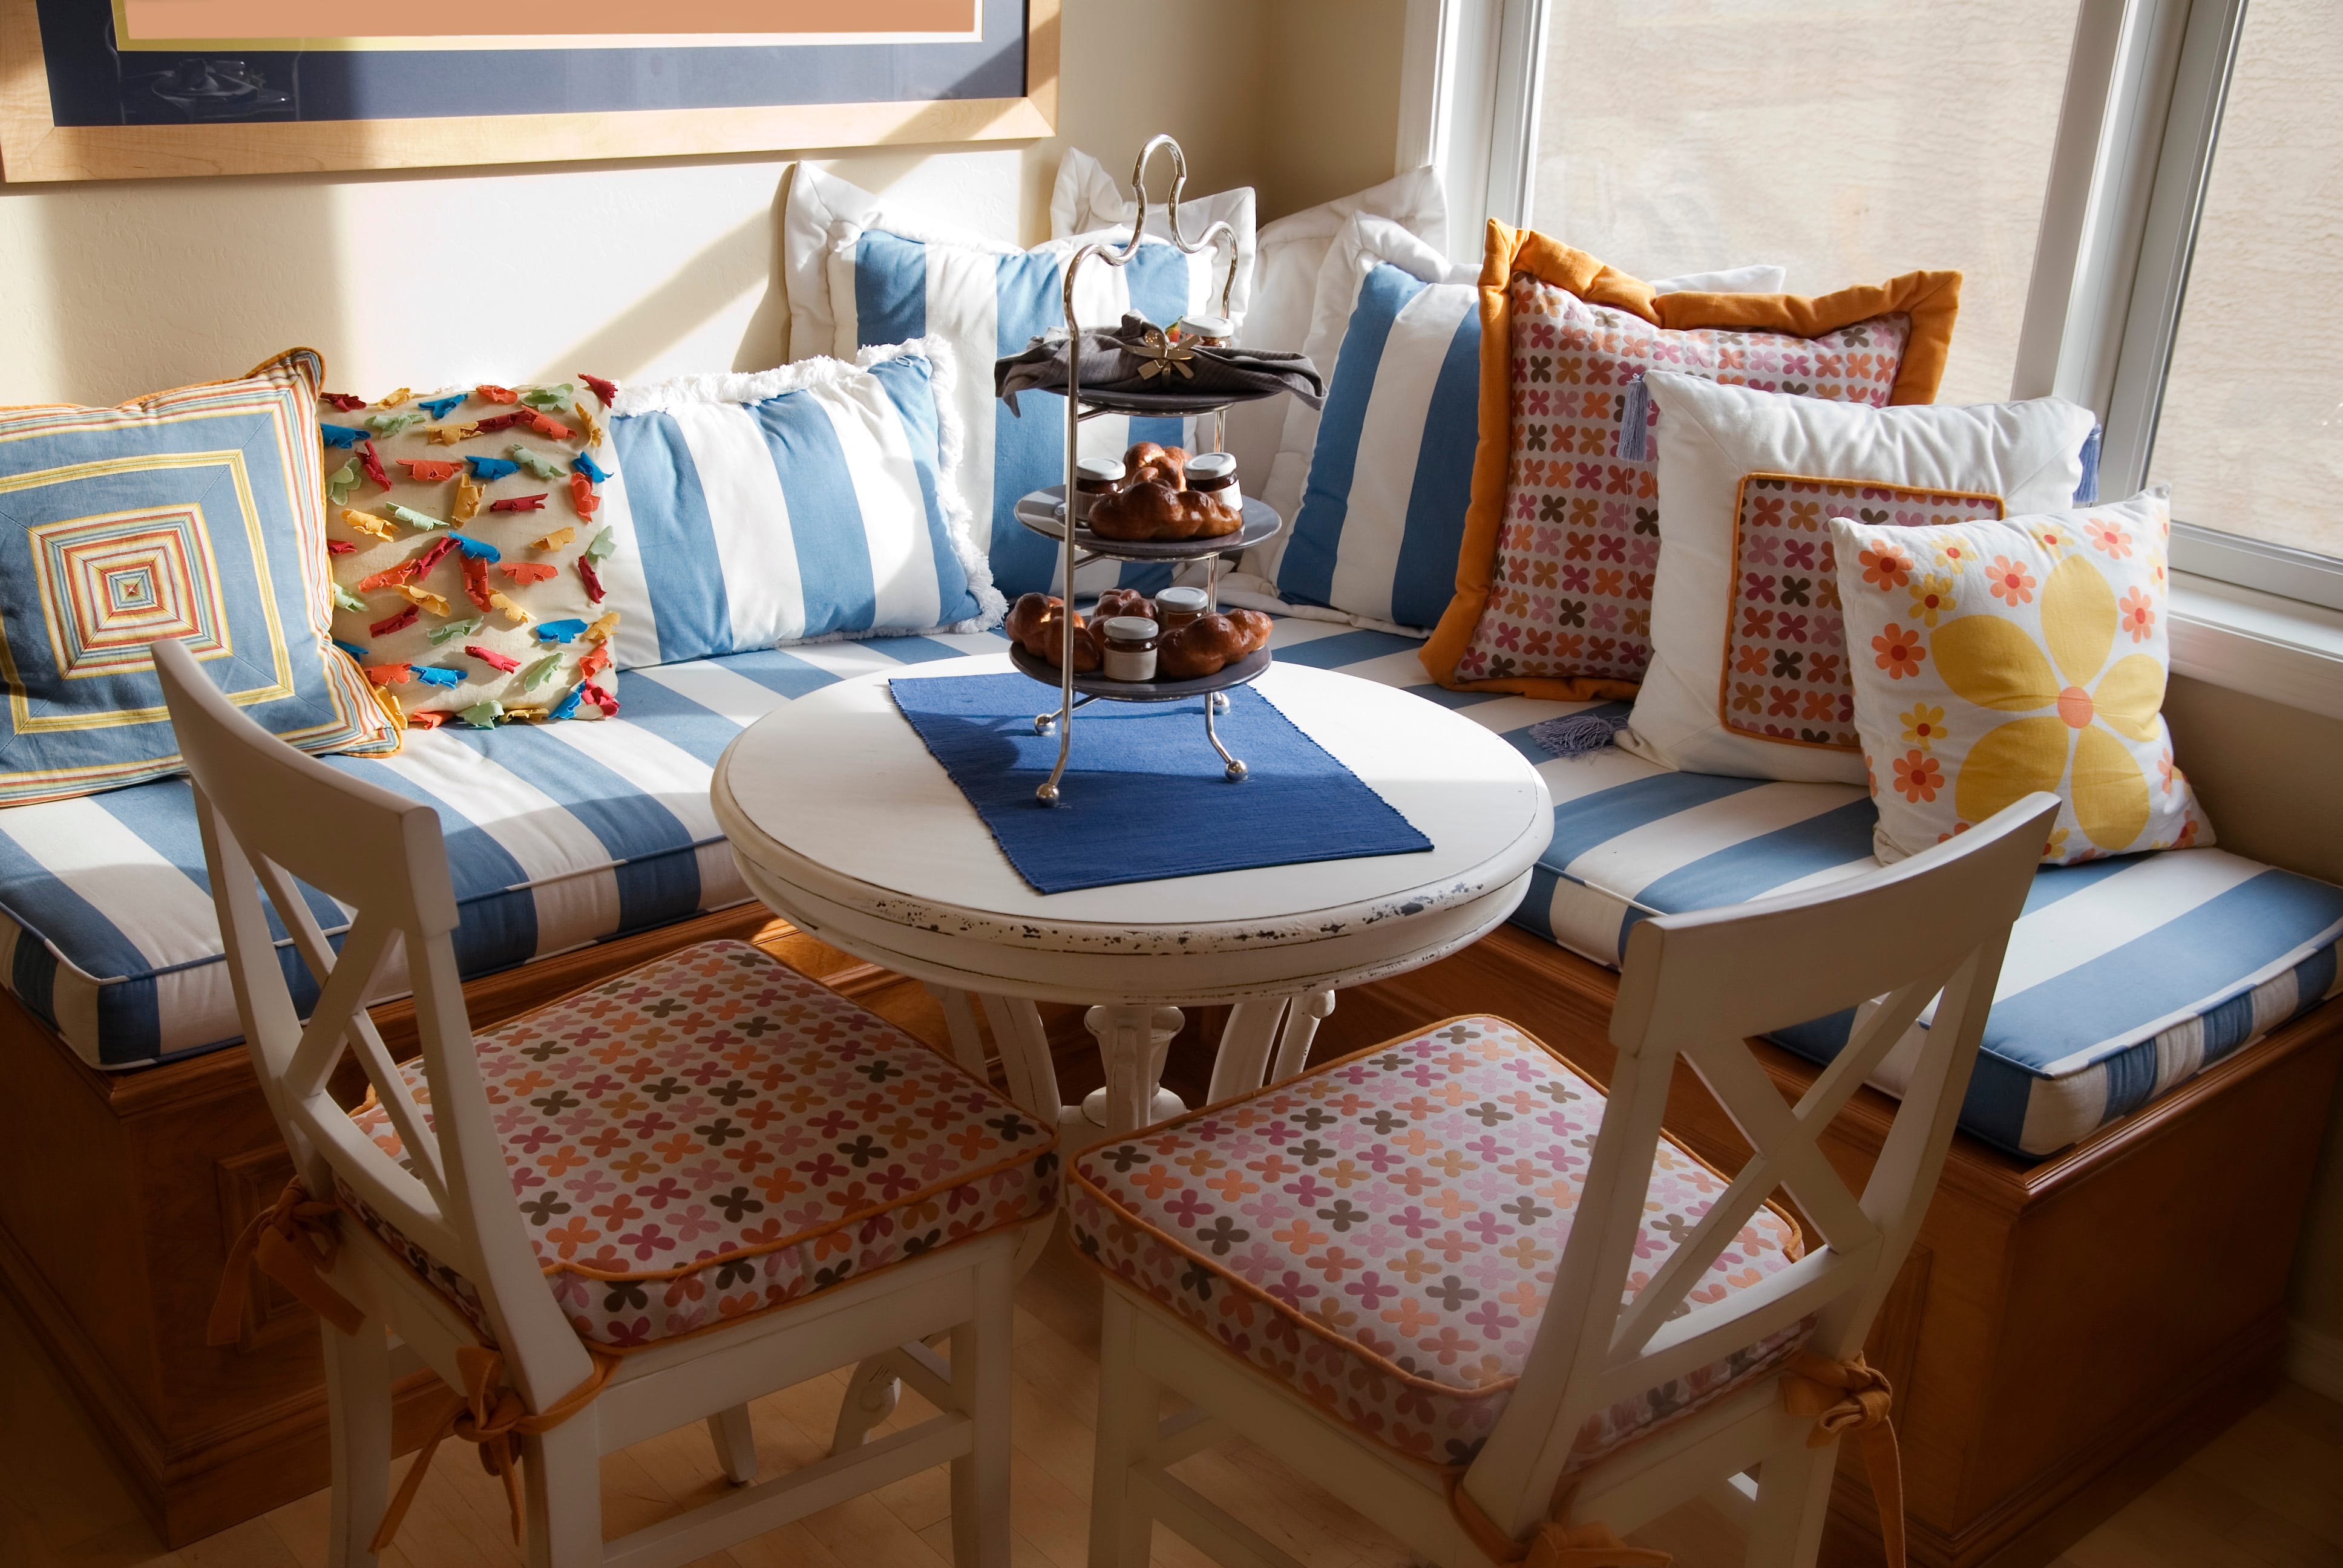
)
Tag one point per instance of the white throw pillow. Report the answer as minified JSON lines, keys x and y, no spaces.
{"x":1088,"y":200}
{"x":1748,"y":675}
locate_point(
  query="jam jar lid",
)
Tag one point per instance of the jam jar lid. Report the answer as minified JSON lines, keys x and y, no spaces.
{"x":1128,"y":628}
{"x":1211,"y":471}
{"x":1099,"y":471}
{"x":1181,"y":600}
{"x":1218,"y":326}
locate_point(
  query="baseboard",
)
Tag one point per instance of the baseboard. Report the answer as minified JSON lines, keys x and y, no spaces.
{"x":2315,"y":1360}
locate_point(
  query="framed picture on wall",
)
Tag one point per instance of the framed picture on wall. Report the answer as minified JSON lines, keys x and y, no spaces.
{"x":118,"y":90}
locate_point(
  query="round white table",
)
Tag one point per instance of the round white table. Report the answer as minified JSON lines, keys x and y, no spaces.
{"x":842,"y":820}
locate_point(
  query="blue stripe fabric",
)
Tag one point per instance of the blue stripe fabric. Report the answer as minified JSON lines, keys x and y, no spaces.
{"x":988,"y":304}
{"x":1406,"y":386}
{"x":1307,"y":571}
{"x":760,"y":506}
{"x":676,"y":536}
{"x":1443,"y":486}
{"x":2124,"y":977}
{"x":833,"y":564}
{"x":890,"y":288}
{"x":1028,"y":446}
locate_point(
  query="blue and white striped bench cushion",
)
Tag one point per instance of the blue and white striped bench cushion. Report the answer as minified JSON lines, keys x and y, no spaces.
{"x":808,"y":502}
{"x":886,"y":287}
{"x":2124,"y":977}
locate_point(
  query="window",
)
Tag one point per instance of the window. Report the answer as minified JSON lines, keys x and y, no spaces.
{"x":1847,"y":140}
{"x":2196,"y":146}
{"x":2249,"y":432}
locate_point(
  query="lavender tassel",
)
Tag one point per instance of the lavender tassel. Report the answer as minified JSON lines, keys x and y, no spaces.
{"x":1578,"y":734}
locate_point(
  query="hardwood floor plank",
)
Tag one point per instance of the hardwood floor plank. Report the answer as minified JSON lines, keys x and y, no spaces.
{"x":2263,"y":1495}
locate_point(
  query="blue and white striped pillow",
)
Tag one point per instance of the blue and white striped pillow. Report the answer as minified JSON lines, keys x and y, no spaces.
{"x":799,"y":505}
{"x":885,"y":286}
{"x":1376,"y":483}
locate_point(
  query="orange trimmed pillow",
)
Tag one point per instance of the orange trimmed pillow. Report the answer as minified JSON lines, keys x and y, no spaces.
{"x":1553,"y":583}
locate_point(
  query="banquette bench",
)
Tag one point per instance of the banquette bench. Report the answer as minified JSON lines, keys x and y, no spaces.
{"x":2100,"y":1282}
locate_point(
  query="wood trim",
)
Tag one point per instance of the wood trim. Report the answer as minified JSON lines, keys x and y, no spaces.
{"x":33,"y":147}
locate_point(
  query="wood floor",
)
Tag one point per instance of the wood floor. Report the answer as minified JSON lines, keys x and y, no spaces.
{"x":2269,"y":1493}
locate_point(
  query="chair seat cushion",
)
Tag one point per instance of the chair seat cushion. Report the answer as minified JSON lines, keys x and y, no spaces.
{"x":713,"y":1134}
{"x":1381,"y":1233}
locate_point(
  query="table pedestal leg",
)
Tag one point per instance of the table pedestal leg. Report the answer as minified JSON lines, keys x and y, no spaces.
{"x":1133,"y":1040}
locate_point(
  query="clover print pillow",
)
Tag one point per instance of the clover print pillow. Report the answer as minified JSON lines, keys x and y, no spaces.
{"x":1995,"y":657}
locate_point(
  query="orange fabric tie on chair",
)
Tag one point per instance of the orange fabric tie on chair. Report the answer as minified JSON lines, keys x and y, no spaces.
{"x":1854,"y":1396}
{"x":1557,"y":1545}
{"x":292,"y":1240}
{"x":488,"y":1414}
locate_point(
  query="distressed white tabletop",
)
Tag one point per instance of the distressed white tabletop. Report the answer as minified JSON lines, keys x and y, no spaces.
{"x":840,"y":816}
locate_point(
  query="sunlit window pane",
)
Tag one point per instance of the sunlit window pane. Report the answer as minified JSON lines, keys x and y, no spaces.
{"x":1847,"y":140}
{"x":2251,"y":434}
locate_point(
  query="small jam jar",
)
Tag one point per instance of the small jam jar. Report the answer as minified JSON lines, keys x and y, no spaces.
{"x":1206,"y":331}
{"x":1216,"y":474}
{"x":1130,"y":644}
{"x":1093,"y":477}
{"x":1176,"y":607}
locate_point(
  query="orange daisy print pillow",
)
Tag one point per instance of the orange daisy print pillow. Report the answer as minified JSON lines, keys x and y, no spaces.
{"x":1995,"y":657}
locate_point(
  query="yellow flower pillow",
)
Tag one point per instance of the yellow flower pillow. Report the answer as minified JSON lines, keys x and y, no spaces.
{"x":1995,"y":657}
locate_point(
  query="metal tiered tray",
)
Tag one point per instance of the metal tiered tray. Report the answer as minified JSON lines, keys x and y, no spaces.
{"x":1043,"y":511}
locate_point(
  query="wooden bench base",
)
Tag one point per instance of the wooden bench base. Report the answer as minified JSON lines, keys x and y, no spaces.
{"x":2064,"y":1332}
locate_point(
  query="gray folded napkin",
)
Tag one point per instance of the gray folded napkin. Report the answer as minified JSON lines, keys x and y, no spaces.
{"x":1132,"y":358}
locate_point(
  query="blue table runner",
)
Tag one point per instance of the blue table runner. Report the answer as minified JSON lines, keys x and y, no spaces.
{"x":1144,"y":796}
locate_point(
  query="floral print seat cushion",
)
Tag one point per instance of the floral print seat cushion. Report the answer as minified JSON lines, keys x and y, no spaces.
{"x":1382,"y":1233}
{"x":713,"y":1134}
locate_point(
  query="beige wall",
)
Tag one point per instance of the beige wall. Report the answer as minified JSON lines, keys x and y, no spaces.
{"x":112,"y":288}
{"x":1332,"y":118}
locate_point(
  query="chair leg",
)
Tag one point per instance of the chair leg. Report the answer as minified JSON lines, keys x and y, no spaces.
{"x":1794,"y":1489}
{"x":1123,"y":1531}
{"x":736,"y":1444}
{"x":358,"y":1409}
{"x":979,"y":1368}
{"x":870,"y":1395}
{"x":563,"y":1491}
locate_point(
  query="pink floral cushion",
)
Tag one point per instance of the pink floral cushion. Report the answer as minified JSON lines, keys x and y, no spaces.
{"x":1382,"y":1233}
{"x":1571,"y":588}
{"x":714,"y":1134}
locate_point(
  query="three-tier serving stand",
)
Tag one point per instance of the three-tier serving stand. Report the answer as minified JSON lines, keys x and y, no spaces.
{"x":1045,"y":512}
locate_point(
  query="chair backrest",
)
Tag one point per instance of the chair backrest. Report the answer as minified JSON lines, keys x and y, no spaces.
{"x":272,"y":817}
{"x":1695,"y":987}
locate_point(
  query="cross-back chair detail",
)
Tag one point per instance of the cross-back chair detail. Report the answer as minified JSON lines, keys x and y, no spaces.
{"x":1696,"y":988}
{"x":274,"y":820}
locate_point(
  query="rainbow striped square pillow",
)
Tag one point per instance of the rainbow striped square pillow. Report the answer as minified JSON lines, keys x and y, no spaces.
{"x":195,"y":514}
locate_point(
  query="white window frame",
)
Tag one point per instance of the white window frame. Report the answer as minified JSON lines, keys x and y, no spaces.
{"x":2146,"y":81}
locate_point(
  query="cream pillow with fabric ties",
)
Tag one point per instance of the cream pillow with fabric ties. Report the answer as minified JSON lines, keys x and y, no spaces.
{"x":1748,"y":672}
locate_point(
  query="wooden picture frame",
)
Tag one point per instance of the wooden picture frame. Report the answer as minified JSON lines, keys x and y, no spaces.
{"x":35,"y":147}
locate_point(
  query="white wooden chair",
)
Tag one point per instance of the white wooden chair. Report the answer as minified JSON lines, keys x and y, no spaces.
{"x":1337,"y":1334}
{"x":407,"y":1222}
